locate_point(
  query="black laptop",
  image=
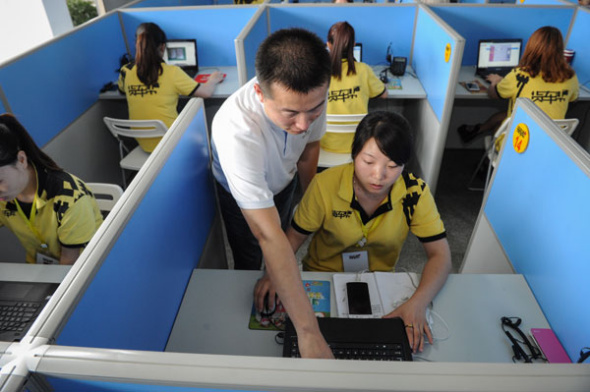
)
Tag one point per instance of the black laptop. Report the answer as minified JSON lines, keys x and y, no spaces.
{"x":183,"y":53}
{"x":20,"y":304}
{"x":364,"y":339}
{"x":497,"y":56}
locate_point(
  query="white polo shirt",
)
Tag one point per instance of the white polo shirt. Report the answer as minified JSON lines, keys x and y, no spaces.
{"x":252,"y":157}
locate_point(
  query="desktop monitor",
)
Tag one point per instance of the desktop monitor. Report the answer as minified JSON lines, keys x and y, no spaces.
{"x":498,"y":55}
{"x":181,"y":52}
{"x":357,"y":52}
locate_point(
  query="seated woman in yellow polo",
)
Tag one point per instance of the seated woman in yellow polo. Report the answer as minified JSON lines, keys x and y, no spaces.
{"x":152,"y":87}
{"x":52,"y":212}
{"x":360,"y":213}
{"x":352,"y":84}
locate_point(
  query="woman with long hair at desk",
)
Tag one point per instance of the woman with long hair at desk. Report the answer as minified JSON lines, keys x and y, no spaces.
{"x":352,"y":84}
{"x":152,"y":87}
{"x":52,"y":212}
{"x":543,"y":75}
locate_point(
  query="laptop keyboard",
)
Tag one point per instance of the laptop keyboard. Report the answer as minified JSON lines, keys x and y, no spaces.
{"x":16,"y":316}
{"x":367,"y":352}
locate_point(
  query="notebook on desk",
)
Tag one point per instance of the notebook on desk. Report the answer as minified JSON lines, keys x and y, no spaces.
{"x":20,"y":304}
{"x":364,"y":339}
{"x":497,"y":56}
{"x":183,"y":53}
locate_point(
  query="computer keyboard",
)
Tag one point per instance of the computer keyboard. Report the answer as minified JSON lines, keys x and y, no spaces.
{"x":15,"y":316}
{"x":367,"y":352}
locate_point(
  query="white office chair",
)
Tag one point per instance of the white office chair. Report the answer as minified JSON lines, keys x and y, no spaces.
{"x":493,"y":144}
{"x":106,"y":195}
{"x":339,"y":123}
{"x":135,"y":159}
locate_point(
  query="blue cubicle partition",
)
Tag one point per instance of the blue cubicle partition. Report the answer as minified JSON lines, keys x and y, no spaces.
{"x":49,"y":87}
{"x":214,"y":28}
{"x":252,"y":37}
{"x":578,"y":41}
{"x":132,"y":301}
{"x":538,"y":207}
{"x":474,"y":22}
{"x":376,"y":26}
{"x":169,"y":3}
{"x":429,"y":61}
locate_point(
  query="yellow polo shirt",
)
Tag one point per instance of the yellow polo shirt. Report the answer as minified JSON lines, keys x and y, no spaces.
{"x":158,"y":102}
{"x":350,"y":95}
{"x":66,"y":215}
{"x":327,"y":211}
{"x":552,"y":98}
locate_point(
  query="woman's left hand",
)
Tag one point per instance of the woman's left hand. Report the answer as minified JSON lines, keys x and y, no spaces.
{"x":414,"y":317}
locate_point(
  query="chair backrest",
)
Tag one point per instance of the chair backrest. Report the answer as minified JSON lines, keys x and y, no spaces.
{"x":135,"y":128}
{"x":106,"y":195}
{"x":343,"y":123}
{"x":568,"y":125}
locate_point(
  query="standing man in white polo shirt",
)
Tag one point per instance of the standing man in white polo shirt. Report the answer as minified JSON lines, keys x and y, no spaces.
{"x":266,"y":137}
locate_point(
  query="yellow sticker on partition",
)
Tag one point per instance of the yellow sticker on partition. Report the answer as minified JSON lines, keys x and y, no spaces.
{"x":521,"y":1}
{"x":520,"y":139}
{"x":447,"y":53}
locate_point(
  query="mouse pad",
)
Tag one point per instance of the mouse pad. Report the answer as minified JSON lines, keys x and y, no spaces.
{"x":318,"y":292}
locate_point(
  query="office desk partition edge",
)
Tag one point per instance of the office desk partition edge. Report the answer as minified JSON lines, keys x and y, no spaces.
{"x":436,"y":56}
{"x":538,"y":208}
{"x":155,"y":246}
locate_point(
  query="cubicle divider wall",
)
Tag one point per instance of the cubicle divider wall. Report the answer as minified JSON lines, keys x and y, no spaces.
{"x":150,"y":247}
{"x":410,"y":31}
{"x":214,"y":28}
{"x":536,"y":212}
{"x":475,"y":22}
{"x":437,"y":54}
{"x":50,"y":86}
{"x":247,"y":44}
{"x":169,"y":3}
{"x":578,"y":41}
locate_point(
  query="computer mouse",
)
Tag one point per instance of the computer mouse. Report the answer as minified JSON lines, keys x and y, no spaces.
{"x":266,"y":309}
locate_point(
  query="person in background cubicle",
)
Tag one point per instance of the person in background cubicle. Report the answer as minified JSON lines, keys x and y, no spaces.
{"x":265,"y":137}
{"x":543,"y":75}
{"x":152,"y":87}
{"x":351,"y":86}
{"x":52,"y":212}
{"x":360,"y":214}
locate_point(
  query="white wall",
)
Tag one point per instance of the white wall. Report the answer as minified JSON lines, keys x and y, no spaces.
{"x":25,"y":24}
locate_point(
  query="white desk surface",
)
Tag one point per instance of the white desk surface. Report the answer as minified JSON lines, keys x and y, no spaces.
{"x":411,"y":86}
{"x":214,"y":316}
{"x":467,"y":74}
{"x":25,"y":272}
{"x":223,"y":90}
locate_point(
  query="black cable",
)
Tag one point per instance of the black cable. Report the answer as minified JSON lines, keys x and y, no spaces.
{"x":584,"y":355}
{"x":519,"y":353}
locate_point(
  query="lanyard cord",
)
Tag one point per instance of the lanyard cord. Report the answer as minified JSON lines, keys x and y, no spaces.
{"x":365,"y":228}
{"x":31,"y":219}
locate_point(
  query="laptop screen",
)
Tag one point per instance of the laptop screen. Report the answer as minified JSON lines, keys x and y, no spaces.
{"x":357,"y":52}
{"x":182,"y":53}
{"x":499,"y":53}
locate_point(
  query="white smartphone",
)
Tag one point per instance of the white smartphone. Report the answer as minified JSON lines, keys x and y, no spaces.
{"x":359,"y":301}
